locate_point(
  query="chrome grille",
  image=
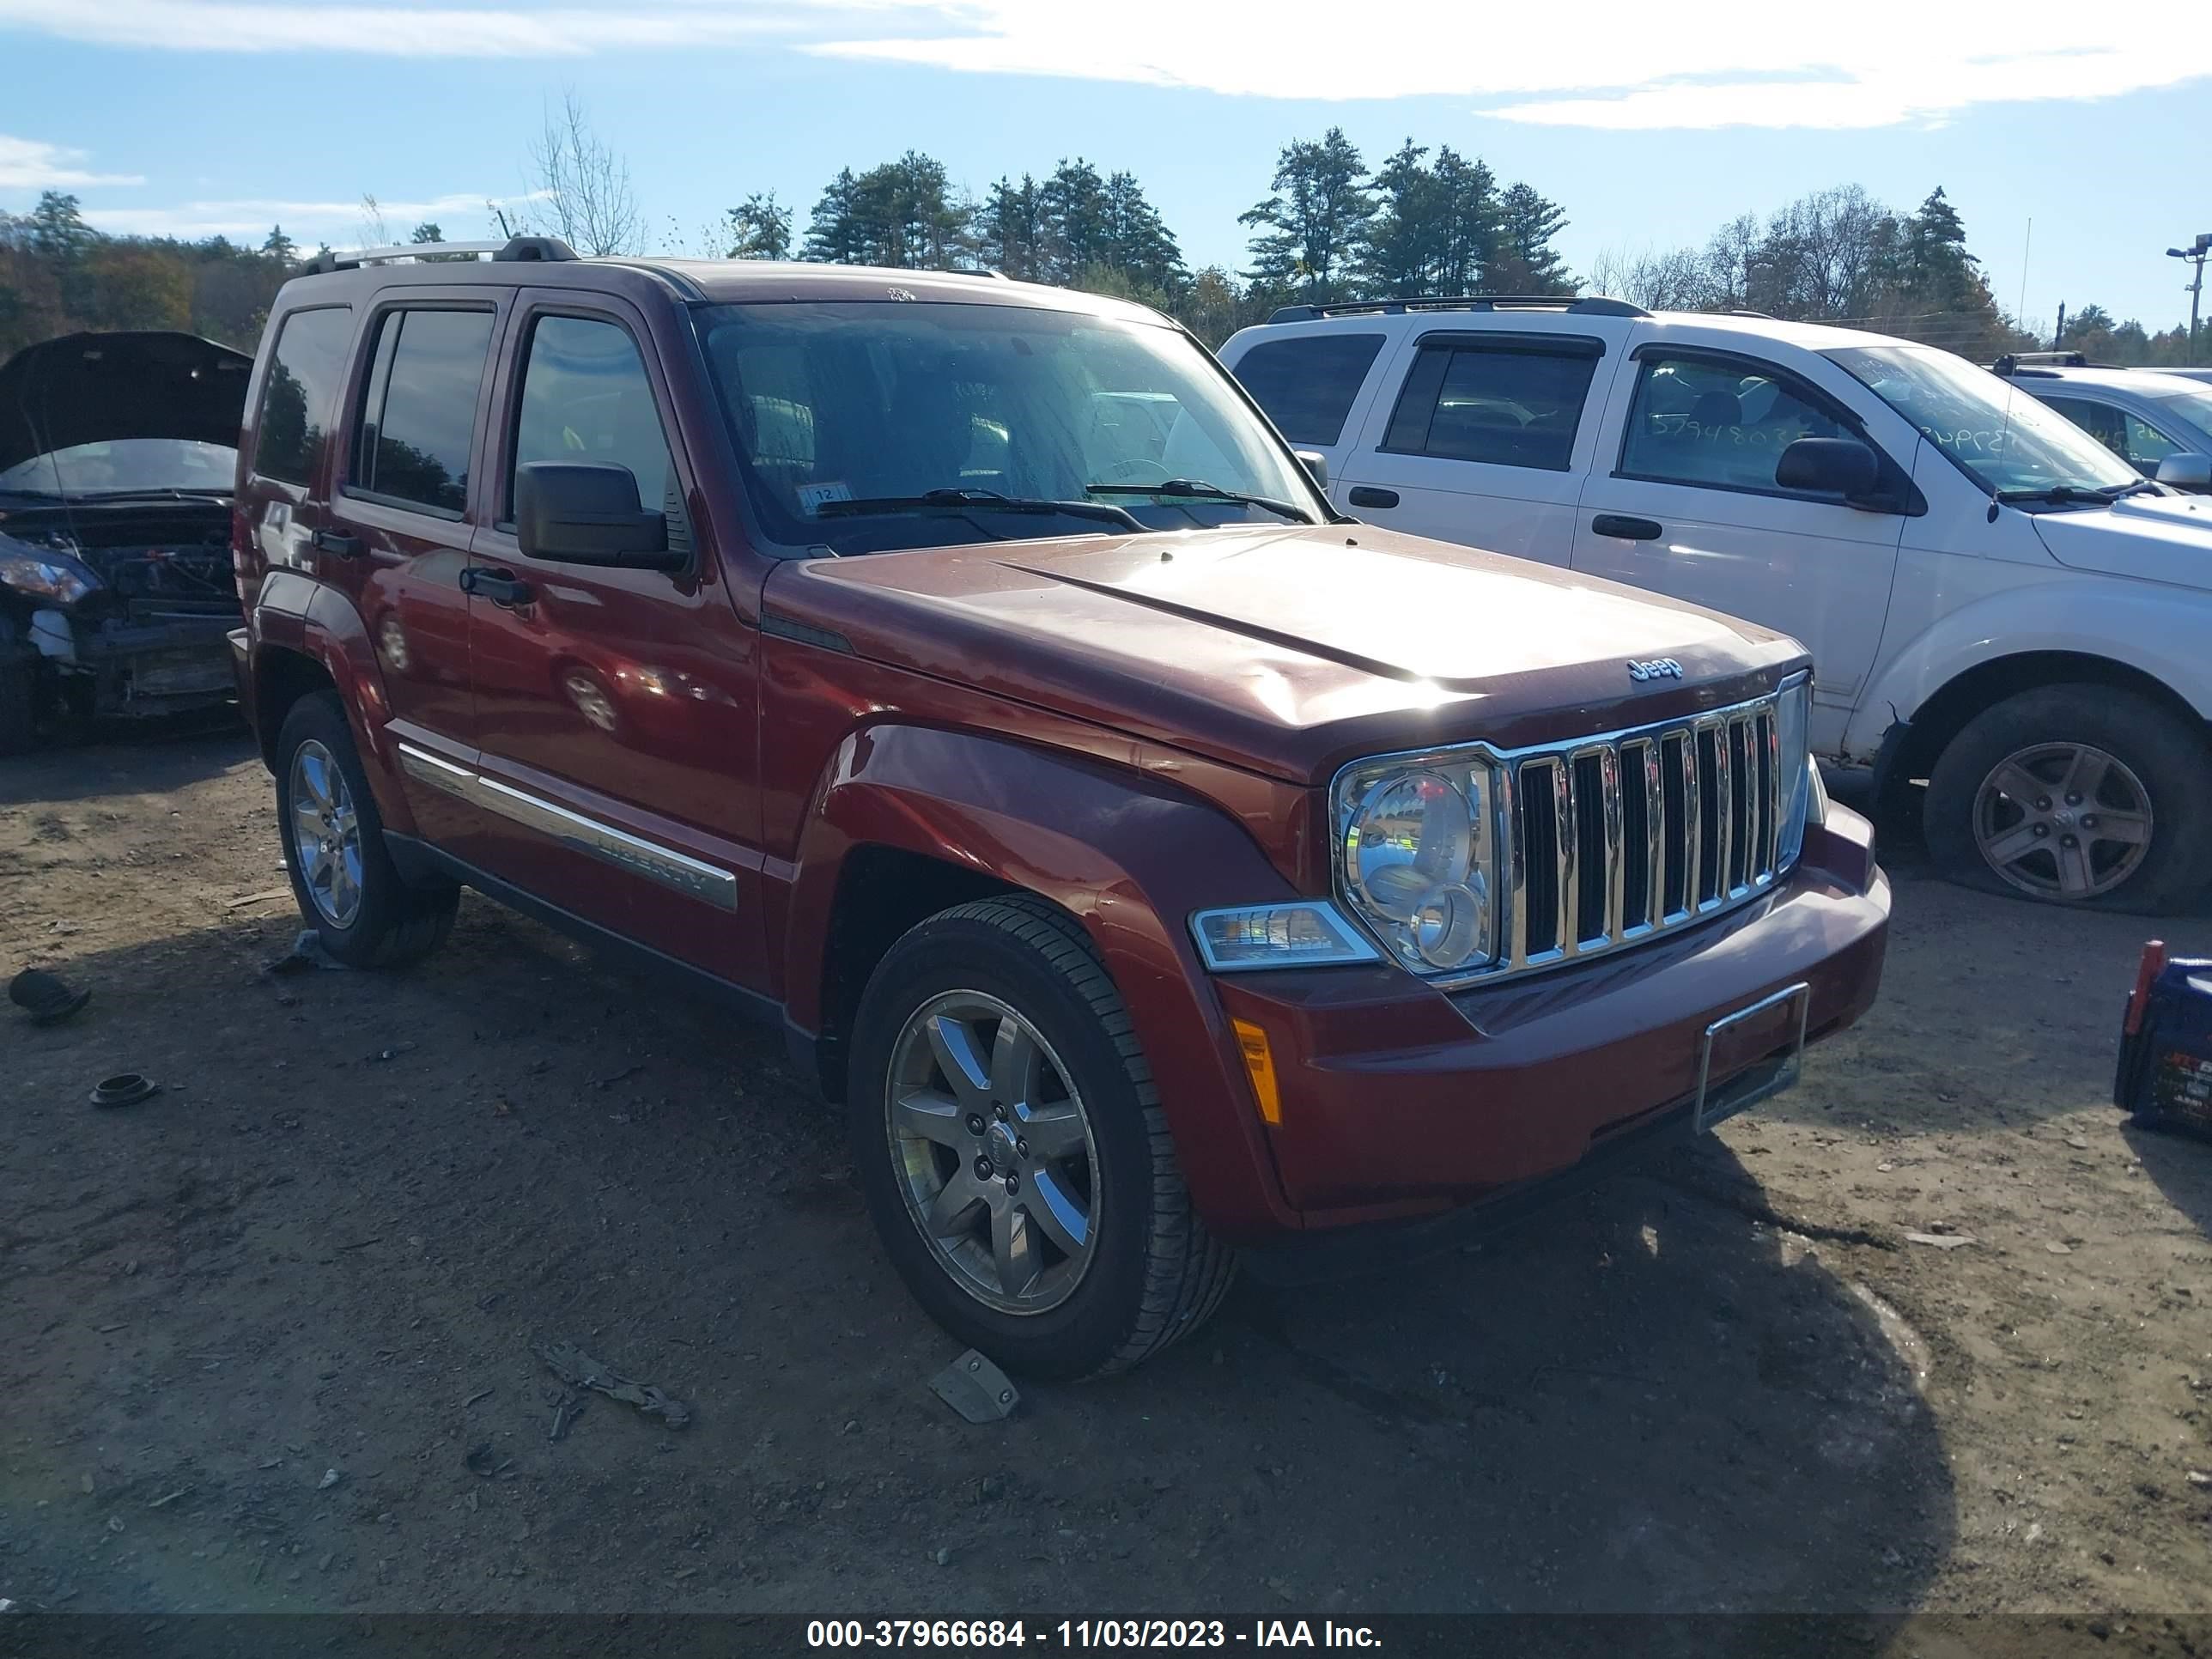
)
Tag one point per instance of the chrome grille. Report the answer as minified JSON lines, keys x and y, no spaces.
{"x":1618,"y":839}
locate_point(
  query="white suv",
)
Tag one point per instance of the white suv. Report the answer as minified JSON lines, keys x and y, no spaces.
{"x":1994,"y":602}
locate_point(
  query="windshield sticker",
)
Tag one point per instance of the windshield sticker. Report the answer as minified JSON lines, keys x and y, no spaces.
{"x":815,"y":496}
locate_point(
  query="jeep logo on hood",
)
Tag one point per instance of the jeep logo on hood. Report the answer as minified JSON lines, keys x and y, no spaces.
{"x":1655,"y":668}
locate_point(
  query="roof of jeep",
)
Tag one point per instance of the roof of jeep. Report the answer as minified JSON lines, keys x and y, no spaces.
{"x":713,"y":282}
{"x":1470,"y":314}
{"x":2144,"y":382}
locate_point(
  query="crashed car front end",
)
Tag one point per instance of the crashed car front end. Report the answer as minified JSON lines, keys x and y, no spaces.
{"x":118,"y":453}
{"x":125,"y":630}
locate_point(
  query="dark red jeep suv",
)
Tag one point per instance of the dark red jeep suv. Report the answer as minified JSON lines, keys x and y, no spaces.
{"x":1161,"y":868}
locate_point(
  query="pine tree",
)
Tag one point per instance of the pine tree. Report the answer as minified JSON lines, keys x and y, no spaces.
{"x":1524,"y":262}
{"x":833,"y":235}
{"x":1313,"y":230}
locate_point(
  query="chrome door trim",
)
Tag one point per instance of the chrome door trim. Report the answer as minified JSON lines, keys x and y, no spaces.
{"x":678,"y":871}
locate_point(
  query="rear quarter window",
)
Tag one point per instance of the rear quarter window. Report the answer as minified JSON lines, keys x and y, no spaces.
{"x":1307,"y":385}
{"x":304,"y":370}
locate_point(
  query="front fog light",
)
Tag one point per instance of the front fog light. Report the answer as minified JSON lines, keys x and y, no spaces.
{"x":1303,"y":933}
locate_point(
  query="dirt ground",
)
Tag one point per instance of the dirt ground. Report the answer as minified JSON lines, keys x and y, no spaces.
{"x":255,"y":1327}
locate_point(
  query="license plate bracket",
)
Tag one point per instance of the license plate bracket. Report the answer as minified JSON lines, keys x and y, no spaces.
{"x":1749,"y":1032}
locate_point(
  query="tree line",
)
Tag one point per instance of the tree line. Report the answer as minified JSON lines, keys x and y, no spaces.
{"x":1426,"y":220}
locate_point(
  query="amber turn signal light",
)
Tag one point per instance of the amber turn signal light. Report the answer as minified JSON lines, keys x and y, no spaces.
{"x":1260,"y":1063}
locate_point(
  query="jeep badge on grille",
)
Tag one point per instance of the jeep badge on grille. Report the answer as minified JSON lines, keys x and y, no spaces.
{"x":1657,"y":668}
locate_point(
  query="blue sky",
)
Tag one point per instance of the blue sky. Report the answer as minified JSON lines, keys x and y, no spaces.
{"x":197,"y":115}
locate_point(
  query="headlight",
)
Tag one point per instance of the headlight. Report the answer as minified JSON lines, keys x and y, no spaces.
{"x":53,"y":576}
{"x":1793,"y":712}
{"x":1416,"y":857}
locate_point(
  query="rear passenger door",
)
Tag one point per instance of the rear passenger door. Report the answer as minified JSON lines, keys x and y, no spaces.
{"x":399,"y":525}
{"x":1481,"y":437}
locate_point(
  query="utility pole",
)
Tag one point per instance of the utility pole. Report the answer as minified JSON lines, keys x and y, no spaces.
{"x":2059,"y":338}
{"x":2194,"y":254}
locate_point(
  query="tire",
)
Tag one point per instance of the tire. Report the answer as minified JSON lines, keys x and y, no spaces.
{"x":1151,"y":1273}
{"x":387,"y":923}
{"x":19,"y":701}
{"x":2150,"y":778}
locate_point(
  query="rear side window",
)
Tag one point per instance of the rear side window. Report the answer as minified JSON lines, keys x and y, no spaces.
{"x":586,"y":397}
{"x":418,"y":415}
{"x":1503,"y":402}
{"x":301,"y":391}
{"x":1720,"y":424}
{"x":1307,"y":385}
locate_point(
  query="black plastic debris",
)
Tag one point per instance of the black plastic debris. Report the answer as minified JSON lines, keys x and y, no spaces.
{"x":124,"y":1089}
{"x":47,"y":998}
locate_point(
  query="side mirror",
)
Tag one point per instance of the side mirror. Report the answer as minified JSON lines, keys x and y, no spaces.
{"x":1833,"y":466}
{"x":580,"y":512}
{"x":1315,"y":462}
{"x":2186,"y":470}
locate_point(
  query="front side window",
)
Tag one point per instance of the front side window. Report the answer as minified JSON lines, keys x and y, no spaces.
{"x":301,"y":392}
{"x":1307,"y":384}
{"x":586,"y":397}
{"x":2099,"y":420}
{"x":2146,"y":446}
{"x":2007,"y":442}
{"x":418,"y":417}
{"x":1718,"y":423}
{"x":867,"y":425}
{"x":1509,"y":404}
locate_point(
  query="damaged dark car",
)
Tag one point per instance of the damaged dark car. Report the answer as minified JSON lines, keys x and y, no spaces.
{"x":117,"y":458}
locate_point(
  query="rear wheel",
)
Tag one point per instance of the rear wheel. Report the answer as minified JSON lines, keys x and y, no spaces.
{"x":2076,"y":794}
{"x":1013,"y":1153}
{"x":343,"y":878}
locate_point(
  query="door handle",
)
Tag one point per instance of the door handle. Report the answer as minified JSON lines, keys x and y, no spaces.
{"x":1367,"y":496}
{"x":1628,"y":529}
{"x":501,"y":587}
{"x":338,"y":542}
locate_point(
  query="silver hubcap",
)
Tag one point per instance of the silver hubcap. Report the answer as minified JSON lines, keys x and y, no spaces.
{"x":993,"y":1151}
{"x":325,"y":834}
{"x":2063,"y":820}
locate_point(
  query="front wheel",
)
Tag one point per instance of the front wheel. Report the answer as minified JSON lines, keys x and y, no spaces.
{"x":2076,"y":794}
{"x":1010,"y":1144}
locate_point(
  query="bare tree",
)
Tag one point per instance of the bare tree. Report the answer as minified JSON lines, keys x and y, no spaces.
{"x":374,"y":233}
{"x":580,"y":188}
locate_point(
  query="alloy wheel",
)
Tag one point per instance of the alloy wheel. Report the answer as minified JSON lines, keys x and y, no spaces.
{"x":325,"y":834}
{"x":993,"y":1151}
{"x":2063,"y":820}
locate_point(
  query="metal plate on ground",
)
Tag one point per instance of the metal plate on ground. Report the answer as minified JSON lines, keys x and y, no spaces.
{"x":976,"y":1388}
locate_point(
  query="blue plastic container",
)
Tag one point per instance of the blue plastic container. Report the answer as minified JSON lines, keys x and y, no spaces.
{"x":2165,"y":1074}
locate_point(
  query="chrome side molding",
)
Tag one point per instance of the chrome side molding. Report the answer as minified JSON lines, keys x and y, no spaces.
{"x":678,"y":871}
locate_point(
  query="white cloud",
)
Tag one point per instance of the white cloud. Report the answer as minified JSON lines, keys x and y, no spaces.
{"x":28,"y":164}
{"x":304,"y":221}
{"x":1609,"y":65}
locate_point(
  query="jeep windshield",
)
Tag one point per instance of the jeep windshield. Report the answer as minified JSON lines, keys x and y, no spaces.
{"x":2015,"y":447}
{"x":863,"y":425}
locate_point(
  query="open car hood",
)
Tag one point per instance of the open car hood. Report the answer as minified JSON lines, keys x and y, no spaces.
{"x":102,"y":387}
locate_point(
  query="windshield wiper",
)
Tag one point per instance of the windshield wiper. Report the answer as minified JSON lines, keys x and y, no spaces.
{"x":1198,"y":490}
{"x":2060,"y":494}
{"x":981,"y":501}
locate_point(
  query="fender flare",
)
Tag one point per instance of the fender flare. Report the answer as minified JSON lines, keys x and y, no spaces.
{"x":2134,"y":626}
{"x":1128,"y":856}
{"x":309,"y":618}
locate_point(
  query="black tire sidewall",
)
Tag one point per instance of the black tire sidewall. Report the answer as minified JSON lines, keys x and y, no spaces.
{"x":1082,"y":1334}
{"x":2172,"y":761}
{"x":383,"y":895}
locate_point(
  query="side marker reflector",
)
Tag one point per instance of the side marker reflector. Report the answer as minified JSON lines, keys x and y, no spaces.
{"x":1260,"y":1063}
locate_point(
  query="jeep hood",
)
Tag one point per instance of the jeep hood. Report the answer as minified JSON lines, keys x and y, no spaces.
{"x":1287,"y":651}
{"x":2160,"y":538}
{"x":101,"y":388}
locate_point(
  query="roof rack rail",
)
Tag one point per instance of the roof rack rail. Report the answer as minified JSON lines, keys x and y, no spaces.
{"x":523,"y":248}
{"x":1587,"y":305}
{"x":2013,"y":361}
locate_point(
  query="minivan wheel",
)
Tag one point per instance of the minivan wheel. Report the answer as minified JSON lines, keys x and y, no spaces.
{"x":1010,"y":1144}
{"x":343,"y":878}
{"x":2076,"y":794}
